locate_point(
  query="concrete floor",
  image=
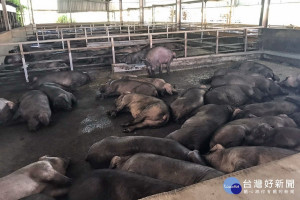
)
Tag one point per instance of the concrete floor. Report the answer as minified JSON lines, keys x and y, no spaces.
{"x":70,"y":134}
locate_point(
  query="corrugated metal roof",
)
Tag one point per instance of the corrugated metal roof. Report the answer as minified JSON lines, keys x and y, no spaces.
{"x":81,"y":5}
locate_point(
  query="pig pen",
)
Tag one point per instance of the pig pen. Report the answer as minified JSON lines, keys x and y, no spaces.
{"x":70,"y":134}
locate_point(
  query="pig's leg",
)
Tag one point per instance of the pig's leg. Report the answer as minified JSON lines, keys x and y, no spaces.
{"x":33,"y":124}
{"x":133,"y":122}
{"x":73,"y":99}
{"x":168,"y":67}
{"x":242,"y":164}
{"x":145,"y":123}
{"x":113,"y":113}
{"x":149,"y":70}
{"x":53,"y":192}
{"x":160,"y":69}
{"x":152,"y":72}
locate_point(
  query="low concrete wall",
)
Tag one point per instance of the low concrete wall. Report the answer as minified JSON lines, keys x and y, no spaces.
{"x":281,"y":45}
{"x":283,"y":40}
{"x":201,"y":61}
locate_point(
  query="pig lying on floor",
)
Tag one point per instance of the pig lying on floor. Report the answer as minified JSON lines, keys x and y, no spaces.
{"x":147,"y":111}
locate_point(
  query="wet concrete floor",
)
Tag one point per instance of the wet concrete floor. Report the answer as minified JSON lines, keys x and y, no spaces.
{"x":70,"y":134}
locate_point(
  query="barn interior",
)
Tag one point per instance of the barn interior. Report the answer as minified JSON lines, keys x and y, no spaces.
{"x":109,"y":40}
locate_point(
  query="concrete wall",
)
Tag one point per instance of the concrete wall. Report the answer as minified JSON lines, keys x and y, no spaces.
{"x":281,"y":45}
{"x":283,"y":40}
{"x":15,"y":35}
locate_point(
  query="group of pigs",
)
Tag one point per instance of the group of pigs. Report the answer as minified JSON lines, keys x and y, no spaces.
{"x":154,"y":57}
{"x":231,"y":124}
{"x":50,"y":92}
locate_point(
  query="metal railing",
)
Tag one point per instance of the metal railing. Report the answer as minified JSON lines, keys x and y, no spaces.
{"x":53,"y":31}
{"x":194,"y":42}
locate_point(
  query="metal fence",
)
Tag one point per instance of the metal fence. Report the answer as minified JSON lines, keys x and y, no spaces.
{"x":54,"y":31}
{"x":194,"y":43}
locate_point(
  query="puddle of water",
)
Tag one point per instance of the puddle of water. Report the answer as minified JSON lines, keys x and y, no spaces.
{"x":97,"y":120}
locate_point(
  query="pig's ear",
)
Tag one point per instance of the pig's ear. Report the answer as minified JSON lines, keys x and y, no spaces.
{"x":11,"y":105}
{"x":43,"y":157}
{"x":263,"y":127}
{"x":114,"y":162}
{"x":203,"y":86}
{"x":217,"y":147}
{"x":282,"y":115}
{"x":235,"y":112}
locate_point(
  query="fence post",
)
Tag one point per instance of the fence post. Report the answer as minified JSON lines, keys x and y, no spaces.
{"x":70,"y":55}
{"x":57,"y":32}
{"x":113,"y":53}
{"x":134,"y":28}
{"x":43,"y":34}
{"x":75,"y":31}
{"x":24,"y":62}
{"x":245,"y":40}
{"x":62,"y":38}
{"x":167,"y":31}
{"x":185,"y":44}
{"x":37,"y":37}
{"x":128,"y":33}
{"x":107,"y":32}
{"x":150,"y":40}
{"x":217,"y":42}
{"x":148,"y":29}
{"x":86,"y":40}
{"x":91,"y":29}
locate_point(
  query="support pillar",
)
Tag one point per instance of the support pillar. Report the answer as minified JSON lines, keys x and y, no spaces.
{"x":5,"y":16}
{"x":264,"y":14}
{"x":70,"y":10}
{"x":178,"y":13}
{"x":153,"y":15}
{"x":32,"y":17}
{"x":121,"y":11}
{"x":202,"y":14}
{"x":205,"y":20}
{"x":230,"y":12}
{"x":141,"y":11}
{"x":107,"y":10}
